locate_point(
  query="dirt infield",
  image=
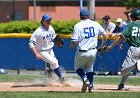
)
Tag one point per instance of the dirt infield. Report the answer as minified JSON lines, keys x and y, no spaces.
{"x":20,"y":86}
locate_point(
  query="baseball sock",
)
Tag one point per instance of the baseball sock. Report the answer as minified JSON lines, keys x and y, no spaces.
{"x":81,"y":73}
{"x":90,"y":77}
{"x":58,"y":72}
{"x":124,"y":79}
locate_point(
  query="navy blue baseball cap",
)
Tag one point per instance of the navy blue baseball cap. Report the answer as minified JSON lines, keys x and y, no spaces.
{"x":46,"y":17}
{"x":84,"y":12}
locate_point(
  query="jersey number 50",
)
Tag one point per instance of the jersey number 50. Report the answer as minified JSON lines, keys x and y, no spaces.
{"x":89,"y":32}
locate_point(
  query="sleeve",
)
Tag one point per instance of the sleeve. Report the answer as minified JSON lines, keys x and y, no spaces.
{"x":126,"y":31}
{"x":74,"y":36}
{"x":101,"y":30}
{"x":112,"y":27}
{"x":32,"y":40}
{"x":53,"y":31}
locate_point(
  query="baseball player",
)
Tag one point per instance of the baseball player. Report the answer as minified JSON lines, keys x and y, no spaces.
{"x":132,"y":35}
{"x":41,"y":43}
{"x":85,"y":34}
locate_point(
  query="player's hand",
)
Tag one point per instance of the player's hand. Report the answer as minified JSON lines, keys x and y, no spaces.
{"x":101,"y":49}
{"x":113,"y":35}
{"x":38,"y":56}
{"x":109,"y":34}
{"x":121,"y":46}
{"x":108,"y":48}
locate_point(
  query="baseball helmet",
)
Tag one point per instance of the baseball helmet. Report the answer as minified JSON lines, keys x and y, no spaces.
{"x":135,"y":14}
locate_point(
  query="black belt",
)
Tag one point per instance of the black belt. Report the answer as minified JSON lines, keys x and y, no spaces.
{"x":86,"y":50}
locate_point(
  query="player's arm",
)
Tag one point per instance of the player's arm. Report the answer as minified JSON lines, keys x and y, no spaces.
{"x":120,"y":39}
{"x":32,"y":46}
{"x":104,"y":39}
{"x":72,"y":44}
{"x":102,"y":46}
{"x":103,"y":33}
{"x":110,"y":33}
{"x":74,"y":38}
{"x":38,"y":56}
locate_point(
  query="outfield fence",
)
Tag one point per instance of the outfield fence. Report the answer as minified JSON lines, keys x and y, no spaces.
{"x":16,"y":54}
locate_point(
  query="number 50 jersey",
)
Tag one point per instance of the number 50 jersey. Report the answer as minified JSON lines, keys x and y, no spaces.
{"x":86,"y":33}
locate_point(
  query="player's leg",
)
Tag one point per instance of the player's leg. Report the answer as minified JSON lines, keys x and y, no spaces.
{"x":128,"y":65}
{"x":57,"y":69}
{"x":125,"y":73}
{"x":48,"y":71}
{"x":79,"y":63}
{"x":138,"y":65}
{"x":50,"y":58}
{"x":90,"y":76}
{"x":89,"y":68}
{"x":81,"y":73}
{"x":138,"y":61}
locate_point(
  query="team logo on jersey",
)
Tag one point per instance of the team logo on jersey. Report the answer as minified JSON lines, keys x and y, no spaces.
{"x":48,"y":35}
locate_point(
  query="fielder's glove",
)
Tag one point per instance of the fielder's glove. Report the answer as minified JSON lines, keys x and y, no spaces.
{"x":101,"y":49}
{"x":59,"y":41}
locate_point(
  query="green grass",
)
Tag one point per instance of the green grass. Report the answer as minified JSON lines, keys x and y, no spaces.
{"x":115,"y":80}
{"x":97,"y":79}
{"x":49,"y":94}
{"x":21,"y":78}
{"x":69,"y":95}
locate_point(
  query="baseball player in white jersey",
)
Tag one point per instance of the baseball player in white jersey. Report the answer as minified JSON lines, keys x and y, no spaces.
{"x":85,"y":34}
{"x":41,"y":43}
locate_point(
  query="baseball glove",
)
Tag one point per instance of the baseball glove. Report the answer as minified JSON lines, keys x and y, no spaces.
{"x":59,"y":41}
{"x":101,"y":49}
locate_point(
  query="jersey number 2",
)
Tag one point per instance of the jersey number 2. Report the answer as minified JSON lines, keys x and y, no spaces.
{"x":89,"y":32}
{"x":136,"y":31}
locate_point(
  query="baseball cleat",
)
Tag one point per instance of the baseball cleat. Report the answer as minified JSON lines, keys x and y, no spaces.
{"x":85,"y":86}
{"x":90,"y":89}
{"x":61,"y":80}
{"x":138,"y":65}
{"x":121,"y":87}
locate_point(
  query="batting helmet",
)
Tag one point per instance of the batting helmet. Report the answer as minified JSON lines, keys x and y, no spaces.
{"x":135,"y":14}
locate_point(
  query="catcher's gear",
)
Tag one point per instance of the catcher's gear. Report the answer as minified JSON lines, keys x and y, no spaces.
{"x":135,"y":14}
{"x":101,"y":49}
{"x":59,"y":41}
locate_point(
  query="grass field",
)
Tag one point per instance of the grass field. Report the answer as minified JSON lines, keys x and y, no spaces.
{"x":49,"y":94}
{"x":69,"y":95}
{"x":132,"y":80}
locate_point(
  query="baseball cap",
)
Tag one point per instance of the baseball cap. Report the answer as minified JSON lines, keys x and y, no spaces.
{"x":118,"y":20}
{"x":84,"y":12}
{"x":46,"y":17}
{"x":107,"y":17}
